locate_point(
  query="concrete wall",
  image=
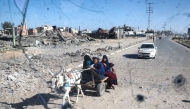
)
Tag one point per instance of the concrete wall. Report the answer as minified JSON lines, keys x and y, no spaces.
{"x":119,"y":33}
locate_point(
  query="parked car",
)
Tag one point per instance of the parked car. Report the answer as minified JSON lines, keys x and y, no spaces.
{"x":148,"y":50}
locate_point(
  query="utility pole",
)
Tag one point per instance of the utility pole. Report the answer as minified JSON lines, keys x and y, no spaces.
{"x":13,"y":34}
{"x":164,"y":27}
{"x":149,"y":10}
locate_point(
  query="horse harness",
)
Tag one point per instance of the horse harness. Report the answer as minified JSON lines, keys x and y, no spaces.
{"x":76,"y":76}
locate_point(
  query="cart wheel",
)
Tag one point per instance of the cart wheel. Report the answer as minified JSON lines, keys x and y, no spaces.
{"x":101,"y":87}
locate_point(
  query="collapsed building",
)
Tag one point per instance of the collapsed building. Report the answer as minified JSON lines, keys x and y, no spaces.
{"x":113,"y":33}
{"x":43,"y":36}
{"x":99,"y":34}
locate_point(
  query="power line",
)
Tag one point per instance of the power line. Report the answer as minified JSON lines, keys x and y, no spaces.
{"x":149,"y":10}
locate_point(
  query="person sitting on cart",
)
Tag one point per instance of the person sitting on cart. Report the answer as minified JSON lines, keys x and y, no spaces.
{"x":87,"y":62}
{"x":97,"y":69}
{"x":109,"y":72}
{"x":105,"y":62}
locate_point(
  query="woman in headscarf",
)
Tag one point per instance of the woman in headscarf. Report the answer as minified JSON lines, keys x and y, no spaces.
{"x":105,"y":62}
{"x":109,"y":72}
{"x":87,"y":62}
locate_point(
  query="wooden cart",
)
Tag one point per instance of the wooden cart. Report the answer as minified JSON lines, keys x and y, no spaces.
{"x":99,"y":85}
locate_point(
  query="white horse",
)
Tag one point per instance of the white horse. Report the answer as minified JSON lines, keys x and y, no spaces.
{"x":67,"y":81}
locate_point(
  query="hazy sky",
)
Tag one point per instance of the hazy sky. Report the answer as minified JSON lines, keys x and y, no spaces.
{"x":92,"y":14}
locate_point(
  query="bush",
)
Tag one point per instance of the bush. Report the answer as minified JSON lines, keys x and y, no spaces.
{"x":187,"y":42}
{"x":177,"y":38}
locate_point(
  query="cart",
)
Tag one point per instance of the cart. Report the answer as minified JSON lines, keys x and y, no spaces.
{"x":99,"y":85}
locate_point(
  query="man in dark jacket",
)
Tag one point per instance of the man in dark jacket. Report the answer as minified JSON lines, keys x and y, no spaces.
{"x":96,"y":71}
{"x":98,"y":67}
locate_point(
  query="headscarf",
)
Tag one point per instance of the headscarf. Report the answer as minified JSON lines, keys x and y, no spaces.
{"x":87,"y":62}
{"x":107,"y":62}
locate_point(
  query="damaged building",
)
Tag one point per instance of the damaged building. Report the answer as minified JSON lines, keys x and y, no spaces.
{"x":113,"y":33}
{"x":32,"y":31}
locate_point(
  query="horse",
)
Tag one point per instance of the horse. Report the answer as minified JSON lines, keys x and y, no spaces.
{"x":67,"y":81}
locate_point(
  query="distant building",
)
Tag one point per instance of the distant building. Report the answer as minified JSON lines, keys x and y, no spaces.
{"x":85,"y":31}
{"x":18,"y":30}
{"x":32,"y":31}
{"x":74,"y":31}
{"x":61,"y":29}
{"x":8,"y":31}
{"x":44,"y":28}
{"x":119,"y":33}
{"x":67,"y":29}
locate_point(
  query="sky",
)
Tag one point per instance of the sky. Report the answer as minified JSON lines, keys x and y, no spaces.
{"x":94,"y":14}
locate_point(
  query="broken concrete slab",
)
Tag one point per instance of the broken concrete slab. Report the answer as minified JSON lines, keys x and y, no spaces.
{"x":11,"y":78}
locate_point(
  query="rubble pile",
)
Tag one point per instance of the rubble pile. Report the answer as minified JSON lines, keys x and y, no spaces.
{"x":65,"y":59}
{"x":71,"y":57}
{"x":55,"y":39}
{"x":47,"y":38}
{"x":5,"y":46}
{"x":20,"y":77}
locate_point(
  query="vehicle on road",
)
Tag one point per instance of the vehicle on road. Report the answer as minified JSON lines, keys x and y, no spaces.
{"x":160,"y":37}
{"x":147,"y":50}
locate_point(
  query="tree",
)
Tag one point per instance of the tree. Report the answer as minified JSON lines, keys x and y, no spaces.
{"x":6,"y":25}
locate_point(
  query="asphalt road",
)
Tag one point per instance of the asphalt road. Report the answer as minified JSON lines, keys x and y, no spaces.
{"x":169,"y":54}
{"x":172,"y":54}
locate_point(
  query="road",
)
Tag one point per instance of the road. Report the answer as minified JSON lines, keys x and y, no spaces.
{"x":147,"y":83}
